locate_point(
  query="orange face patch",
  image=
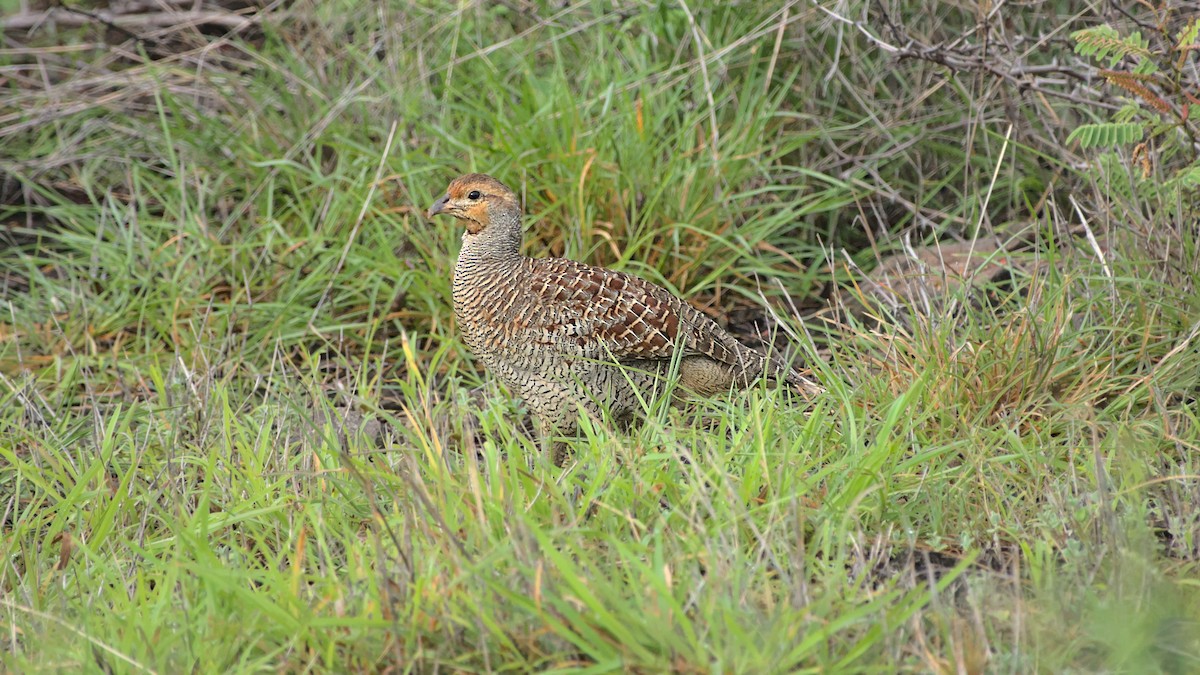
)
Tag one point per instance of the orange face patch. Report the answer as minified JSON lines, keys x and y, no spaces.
{"x":475,"y":213}
{"x":476,"y":217}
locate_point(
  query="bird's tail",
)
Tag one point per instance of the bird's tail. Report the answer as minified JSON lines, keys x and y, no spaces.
{"x":801,"y":383}
{"x":774,"y":367}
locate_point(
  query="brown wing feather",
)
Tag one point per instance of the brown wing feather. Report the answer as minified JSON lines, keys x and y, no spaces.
{"x":607,"y":314}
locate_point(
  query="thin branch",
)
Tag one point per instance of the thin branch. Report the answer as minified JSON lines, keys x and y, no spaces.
{"x":76,"y":18}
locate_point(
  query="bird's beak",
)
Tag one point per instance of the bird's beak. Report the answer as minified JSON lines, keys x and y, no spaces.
{"x":439,"y":206}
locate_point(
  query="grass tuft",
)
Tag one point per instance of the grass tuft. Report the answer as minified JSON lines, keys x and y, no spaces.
{"x":239,"y":431}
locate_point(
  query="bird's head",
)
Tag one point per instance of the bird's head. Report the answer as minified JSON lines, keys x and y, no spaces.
{"x":478,"y":200}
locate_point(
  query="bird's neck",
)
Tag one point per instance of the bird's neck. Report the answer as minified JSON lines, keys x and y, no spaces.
{"x":497,"y":244}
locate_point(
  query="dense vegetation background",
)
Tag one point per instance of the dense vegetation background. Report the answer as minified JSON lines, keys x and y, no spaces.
{"x":238,"y":431}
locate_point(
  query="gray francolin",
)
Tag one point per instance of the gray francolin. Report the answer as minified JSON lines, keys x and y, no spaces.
{"x":571,"y":338}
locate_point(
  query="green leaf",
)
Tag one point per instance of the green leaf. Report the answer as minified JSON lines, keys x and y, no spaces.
{"x":1105,"y":43}
{"x":1106,"y":135}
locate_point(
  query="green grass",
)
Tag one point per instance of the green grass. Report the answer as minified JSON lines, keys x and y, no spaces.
{"x":218,"y":260}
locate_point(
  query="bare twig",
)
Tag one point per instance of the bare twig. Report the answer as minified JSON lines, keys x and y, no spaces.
{"x":126,"y":22}
{"x":981,"y":58}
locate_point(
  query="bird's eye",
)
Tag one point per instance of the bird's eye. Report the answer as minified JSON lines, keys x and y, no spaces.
{"x":473,"y":195}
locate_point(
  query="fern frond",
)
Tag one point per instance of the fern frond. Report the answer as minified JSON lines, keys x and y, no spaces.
{"x":1106,"y":135}
{"x":1146,"y":67}
{"x":1127,"y":113}
{"x":1104,"y":42}
{"x":1189,"y":177}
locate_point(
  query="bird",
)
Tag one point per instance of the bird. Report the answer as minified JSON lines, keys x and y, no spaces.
{"x":571,"y":338}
